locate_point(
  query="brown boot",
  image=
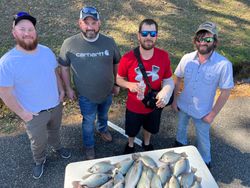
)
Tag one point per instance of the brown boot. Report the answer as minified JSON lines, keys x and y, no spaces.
{"x":106,"y":136}
{"x":89,"y":153}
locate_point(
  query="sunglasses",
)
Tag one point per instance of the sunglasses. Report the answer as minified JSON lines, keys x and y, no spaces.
{"x":206,"y":39}
{"x":19,"y":14}
{"x":89,"y":10}
{"x":145,"y":33}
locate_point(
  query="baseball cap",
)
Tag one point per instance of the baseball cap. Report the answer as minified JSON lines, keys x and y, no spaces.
{"x":208,"y":26}
{"x":89,"y":11}
{"x":24,"y":16}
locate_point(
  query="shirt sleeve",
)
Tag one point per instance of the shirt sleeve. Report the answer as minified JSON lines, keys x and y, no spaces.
{"x":168,"y":71}
{"x":7,"y":75}
{"x":179,"y":71}
{"x":117,"y":55}
{"x":226,"y":77}
{"x":122,"y":68}
{"x":63,"y":59}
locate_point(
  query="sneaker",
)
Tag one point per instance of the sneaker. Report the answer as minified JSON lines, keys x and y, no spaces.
{"x":89,"y":153}
{"x":63,"y":152}
{"x":106,"y":136}
{"x":147,"y":147}
{"x":38,"y":170}
{"x":128,"y":149}
{"x":178,"y":144}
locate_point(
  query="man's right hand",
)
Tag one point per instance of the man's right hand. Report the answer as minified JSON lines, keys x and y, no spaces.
{"x":134,"y":87}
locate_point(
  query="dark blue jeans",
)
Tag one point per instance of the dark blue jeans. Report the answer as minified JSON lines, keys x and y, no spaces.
{"x":89,"y":111}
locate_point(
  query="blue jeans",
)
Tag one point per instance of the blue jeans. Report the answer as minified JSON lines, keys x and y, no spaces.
{"x":89,"y":111}
{"x":202,"y":134}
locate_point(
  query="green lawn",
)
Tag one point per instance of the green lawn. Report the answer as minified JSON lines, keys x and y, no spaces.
{"x":178,"y":20}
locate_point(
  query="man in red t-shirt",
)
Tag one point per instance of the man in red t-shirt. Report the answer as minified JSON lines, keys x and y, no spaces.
{"x":157,"y":65}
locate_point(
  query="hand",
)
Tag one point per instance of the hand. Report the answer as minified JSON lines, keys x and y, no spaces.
{"x":163,"y":99}
{"x":160,"y":103}
{"x":174,"y":106}
{"x":134,"y":87}
{"x":26,"y":116}
{"x":116,"y":90}
{"x":71,"y":93}
{"x":209,"y":117}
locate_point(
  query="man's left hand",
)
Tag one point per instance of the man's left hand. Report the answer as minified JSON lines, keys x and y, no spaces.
{"x":209,"y":117}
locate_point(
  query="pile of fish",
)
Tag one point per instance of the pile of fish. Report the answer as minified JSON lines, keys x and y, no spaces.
{"x":142,"y":172}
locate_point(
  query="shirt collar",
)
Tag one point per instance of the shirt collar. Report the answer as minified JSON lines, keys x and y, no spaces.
{"x":91,"y":40}
{"x":210,"y":58}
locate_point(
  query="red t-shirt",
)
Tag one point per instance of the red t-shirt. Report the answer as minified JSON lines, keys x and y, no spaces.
{"x":157,"y":68}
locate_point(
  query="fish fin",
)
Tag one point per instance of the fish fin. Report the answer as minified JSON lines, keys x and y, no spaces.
{"x":198,"y":179}
{"x":183,"y":154}
{"x":136,"y":156}
{"x":193,"y":169}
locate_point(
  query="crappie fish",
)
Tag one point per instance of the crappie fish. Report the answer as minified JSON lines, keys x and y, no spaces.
{"x":174,"y":182}
{"x":101,"y":167}
{"x":124,"y":165}
{"x":118,"y":177}
{"x":94,"y":180}
{"x":145,"y":178}
{"x":133,"y":175}
{"x":164,"y":172}
{"x":187,"y":179}
{"x":181,"y":166}
{"x":171,"y":157}
{"x":148,"y":161}
{"x":156,"y":182}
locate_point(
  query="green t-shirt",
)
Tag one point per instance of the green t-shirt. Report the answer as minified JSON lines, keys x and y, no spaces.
{"x":91,"y":64}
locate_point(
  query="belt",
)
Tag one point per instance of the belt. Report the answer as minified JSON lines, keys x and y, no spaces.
{"x":47,"y":110}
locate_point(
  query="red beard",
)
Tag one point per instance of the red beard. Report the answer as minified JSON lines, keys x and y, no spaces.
{"x":27,"y":46}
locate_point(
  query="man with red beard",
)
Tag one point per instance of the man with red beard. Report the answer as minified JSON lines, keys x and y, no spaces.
{"x":157,"y":67}
{"x":31,"y":87}
{"x":203,"y":72}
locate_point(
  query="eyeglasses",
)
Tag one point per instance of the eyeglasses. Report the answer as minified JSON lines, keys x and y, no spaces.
{"x":19,"y":14}
{"x":206,"y":39}
{"x":145,"y":33}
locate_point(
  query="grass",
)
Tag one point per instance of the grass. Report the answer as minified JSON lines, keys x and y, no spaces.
{"x":177,"y":19}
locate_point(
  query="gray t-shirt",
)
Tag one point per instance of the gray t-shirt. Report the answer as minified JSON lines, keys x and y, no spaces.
{"x":91,"y":64}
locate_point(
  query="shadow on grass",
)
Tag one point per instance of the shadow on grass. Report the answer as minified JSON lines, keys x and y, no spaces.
{"x":177,"y":20}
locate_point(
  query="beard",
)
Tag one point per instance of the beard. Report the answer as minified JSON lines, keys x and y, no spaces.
{"x":147,"y":44}
{"x":29,"y":46}
{"x":204,"y":51}
{"x":90,"y":34}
